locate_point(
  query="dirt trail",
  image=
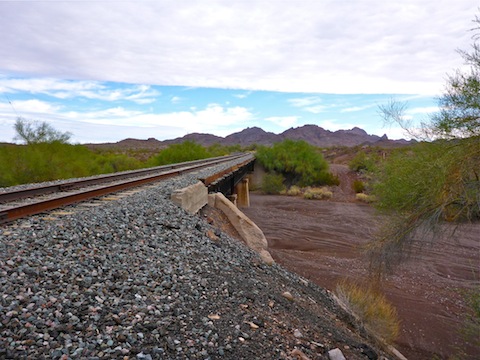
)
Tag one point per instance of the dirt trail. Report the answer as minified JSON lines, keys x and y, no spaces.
{"x":322,"y":240}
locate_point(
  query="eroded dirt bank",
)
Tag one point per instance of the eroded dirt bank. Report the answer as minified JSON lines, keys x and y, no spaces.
{"x":322,"y":240}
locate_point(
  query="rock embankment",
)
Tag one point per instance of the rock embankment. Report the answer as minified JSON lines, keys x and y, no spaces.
{"x":139,"y":278}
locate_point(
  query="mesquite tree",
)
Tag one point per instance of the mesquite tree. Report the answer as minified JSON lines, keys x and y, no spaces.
{"x":437,"y":180}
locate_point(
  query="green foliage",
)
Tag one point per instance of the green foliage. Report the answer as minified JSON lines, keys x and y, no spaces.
{"x":358,"y":186}
{"x":176,"y":153}
{"x":435,"y":181}
{"x":40,"y":162}
{"x":221,"y":150}
{"x":272,"y":184}
{"x":299,"y":162}
{"x":32,"y":132}
{"x":189,"y":151}
{"x":460,"y":104}
{"x":327,"y":178}
{"x":363,"y":162}
{"x":51,"y":160}
{"x":438,"y":179}
{"x":420,"y":188}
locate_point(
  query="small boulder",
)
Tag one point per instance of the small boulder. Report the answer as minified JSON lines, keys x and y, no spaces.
{"x":297,"y":334}
{"x":336,"y":354}
{"x":287,"y":295}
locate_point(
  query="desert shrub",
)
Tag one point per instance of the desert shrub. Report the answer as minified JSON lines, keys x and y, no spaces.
{"x":358,"y":186}
{"x":420,"y":188}
{"x":299,"y":162}
{"x":363,"y":162}
{"x":273,"y":184}
{"x":118,"y":162}
{"x":176,"y":153}
{"x":438,"y":179}
{"x":40,"y":162}
{"x":35,"y":132}
{"x":317,"y":194}
{"x":327,"y":178}
{"x":365,"y":198}
{"x":220,"y":150}
{"x":371,"y":308}
{"x":294,"y":191}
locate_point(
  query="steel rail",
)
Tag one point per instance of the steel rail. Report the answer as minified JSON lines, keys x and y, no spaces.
{"x":24,"y":210}
{"x":9,"y":196}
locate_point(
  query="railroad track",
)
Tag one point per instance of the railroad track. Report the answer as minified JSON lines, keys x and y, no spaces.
{"x":17,"y":204}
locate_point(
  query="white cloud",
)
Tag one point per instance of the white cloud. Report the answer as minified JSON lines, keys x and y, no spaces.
{"x":317,"y":109}
{"x":28,"y":108}
{"x":175,"y":99}
{"x":202,"y":120}
{"x":334,"y":125}
{"x":312,"y":104}
{"x":305,"y":101}
{"x":354,"y":109}
{"x":423,"y":110}
{"x":63,"y":89}
{"x":358,"y":108}
{"x":393,"y":133}
{"x":364,"y":46}
{"x":283,"y":121}
{"x":242,"y":95}
{"x":205,"y":120}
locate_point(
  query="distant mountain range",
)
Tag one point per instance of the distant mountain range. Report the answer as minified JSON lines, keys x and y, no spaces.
{"x":312,"y":134}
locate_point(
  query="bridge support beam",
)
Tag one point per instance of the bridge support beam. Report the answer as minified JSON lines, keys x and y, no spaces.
{"x":242,"y":191}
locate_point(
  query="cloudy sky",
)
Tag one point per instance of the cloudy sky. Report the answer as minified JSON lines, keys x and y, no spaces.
{"x":108,"y":70}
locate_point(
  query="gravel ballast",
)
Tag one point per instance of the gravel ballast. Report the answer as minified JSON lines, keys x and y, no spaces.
{"x":139,"y":278}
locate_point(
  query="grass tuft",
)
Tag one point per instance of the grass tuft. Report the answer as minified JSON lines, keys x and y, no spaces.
{"x":317,"y":194}
{"x":294,"y":191}
{"x":371,"y":308}
{"x":365,"y":198}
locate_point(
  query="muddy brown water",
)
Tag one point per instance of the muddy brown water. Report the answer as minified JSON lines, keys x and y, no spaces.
{"x":322,"y":241}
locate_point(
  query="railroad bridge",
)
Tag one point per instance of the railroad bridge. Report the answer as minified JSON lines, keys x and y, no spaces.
{"x":232,"y":182}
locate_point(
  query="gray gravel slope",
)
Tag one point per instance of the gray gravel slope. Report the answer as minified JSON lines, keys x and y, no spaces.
{"x":138,"y":278}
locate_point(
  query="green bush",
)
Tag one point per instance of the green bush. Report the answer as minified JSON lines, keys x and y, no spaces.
{"x":420,"y":188}
{"x":39,"y":162}
{"x":299,"y":162}
{"x":327,"y":178}
{"x":358,"y":186}
{"x":176,"y":153}
{"x":273,"y":184}
{"x":118,"y":162}
{"x":363,"y":162}
{"x":439,"y":179}
{"x":221,"y":150}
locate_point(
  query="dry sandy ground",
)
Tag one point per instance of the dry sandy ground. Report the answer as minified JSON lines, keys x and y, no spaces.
{"x":322,"y":241}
